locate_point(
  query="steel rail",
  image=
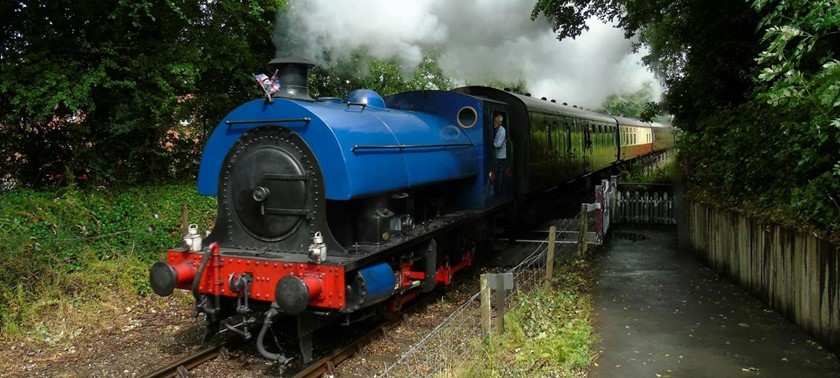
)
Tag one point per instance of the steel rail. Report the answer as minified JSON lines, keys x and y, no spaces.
{"x":181,"y":368}
{"x":327,"y":365}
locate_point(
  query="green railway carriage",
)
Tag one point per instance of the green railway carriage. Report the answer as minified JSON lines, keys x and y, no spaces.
{"x":556,"y":143}
{"x":552,"y":144}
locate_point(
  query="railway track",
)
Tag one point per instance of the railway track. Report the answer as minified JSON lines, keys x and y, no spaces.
{"x":324,"y":366}
{"x":181,"y":368}
{"x":327,"y":365}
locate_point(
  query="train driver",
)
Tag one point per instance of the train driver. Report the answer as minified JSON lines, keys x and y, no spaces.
{"x":499,"y":142}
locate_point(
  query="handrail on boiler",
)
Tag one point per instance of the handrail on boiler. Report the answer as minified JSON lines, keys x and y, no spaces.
{"x":230,"y":123}
{"x":409,"y":146}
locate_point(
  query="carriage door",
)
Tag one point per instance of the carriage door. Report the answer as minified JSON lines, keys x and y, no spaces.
{"x":587,"y":146}
{"x":557,"y":140}
{"x":570,"y":151}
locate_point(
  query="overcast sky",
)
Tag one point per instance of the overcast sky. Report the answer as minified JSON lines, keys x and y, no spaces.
{"x":480,"y":40}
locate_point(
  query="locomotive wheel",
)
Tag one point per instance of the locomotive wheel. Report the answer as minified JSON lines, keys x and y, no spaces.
{"x":390,"y":309}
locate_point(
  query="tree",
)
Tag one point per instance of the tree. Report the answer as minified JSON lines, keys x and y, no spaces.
{"x":633,"y":105}
{"x":701,"y":49}
{"x":754,"y":85}
{"x":340,"y":76}
{"x":799,"y":76}
{"x":95,"y":87}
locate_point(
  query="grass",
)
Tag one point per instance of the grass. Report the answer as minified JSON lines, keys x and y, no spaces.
{"x":72,"y":255}
{"x":547,"y":332}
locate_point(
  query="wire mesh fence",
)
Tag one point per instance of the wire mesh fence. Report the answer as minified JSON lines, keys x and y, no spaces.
{"x":443,"y":351}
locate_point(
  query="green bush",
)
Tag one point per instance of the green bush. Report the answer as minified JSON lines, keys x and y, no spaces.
{"x":664,"y":173}
{"x":66,"y":246}
{"x":763,"y":161}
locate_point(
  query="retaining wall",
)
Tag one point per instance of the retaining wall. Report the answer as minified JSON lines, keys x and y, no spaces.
{"x":793,"y":272}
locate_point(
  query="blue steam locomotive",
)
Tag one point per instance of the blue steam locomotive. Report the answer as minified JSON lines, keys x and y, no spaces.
{"x":339,"y":209}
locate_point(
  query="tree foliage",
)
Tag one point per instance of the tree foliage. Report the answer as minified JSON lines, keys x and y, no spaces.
{"x":99,"y":87}
{"x":340,"y":76}
{"x":799,"y":66}
{"x":701,"y":49}
{"x":798,"y":75}
{"x":754,"y":85}
{"x":638,"y":104}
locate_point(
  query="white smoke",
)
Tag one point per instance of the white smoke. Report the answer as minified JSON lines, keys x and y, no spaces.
{"x":478,"y":41}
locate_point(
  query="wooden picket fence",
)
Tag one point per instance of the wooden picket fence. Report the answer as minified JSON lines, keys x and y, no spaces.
{"x":643,"y":207}
{"x":654,"y":204}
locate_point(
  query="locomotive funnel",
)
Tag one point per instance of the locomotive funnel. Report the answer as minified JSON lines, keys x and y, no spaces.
{"x":293,"y":74}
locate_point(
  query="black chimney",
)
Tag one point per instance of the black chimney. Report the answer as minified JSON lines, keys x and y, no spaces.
{"x":293,"y":74}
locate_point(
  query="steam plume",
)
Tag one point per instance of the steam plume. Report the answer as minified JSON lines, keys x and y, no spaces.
{"x":479,"y":41}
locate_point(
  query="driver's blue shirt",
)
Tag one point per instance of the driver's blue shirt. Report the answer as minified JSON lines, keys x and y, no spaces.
{"x":499,"y":141}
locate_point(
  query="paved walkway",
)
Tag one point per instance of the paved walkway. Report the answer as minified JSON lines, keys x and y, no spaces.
{"x":661,"y":313}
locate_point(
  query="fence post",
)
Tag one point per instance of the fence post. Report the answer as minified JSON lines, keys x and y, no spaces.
{"x":485,"y":305}
{"x":607,"y":203}
{"x":637,"y":206}
{"x":613,"y":201}
{"x":549,"y":263}
{"x":599,"y":214}
{"x":583,"y":239}
{"x":500,"y":305}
